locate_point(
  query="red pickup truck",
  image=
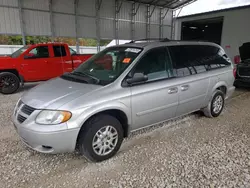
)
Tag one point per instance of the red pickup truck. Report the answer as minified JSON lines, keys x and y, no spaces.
{"x":37,"y":62}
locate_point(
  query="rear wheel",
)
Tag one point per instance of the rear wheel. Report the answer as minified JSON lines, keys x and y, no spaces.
{"x":9,"y":83}
{"x":100,"y":138}
{"x":216,"y":105}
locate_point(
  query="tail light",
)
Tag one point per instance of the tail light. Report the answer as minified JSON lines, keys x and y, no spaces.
{"x":234,"y":72}
{"x":237,"y":59}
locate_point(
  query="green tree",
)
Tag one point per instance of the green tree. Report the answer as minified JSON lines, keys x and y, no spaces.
{"x":36,"y":39}
{"x":17,"y":40}
{"x":3,"y":39}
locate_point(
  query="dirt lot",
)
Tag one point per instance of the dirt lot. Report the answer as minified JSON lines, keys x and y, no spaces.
{"x":193,"y":151}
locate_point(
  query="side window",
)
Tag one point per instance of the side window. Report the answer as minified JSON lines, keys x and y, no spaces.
{"x":155,"y":64}
{"x":183,"y":59}
{"x":214,"y":58}
{"x":195,"y":59}
{"x":59,"y":51}
{"x":72,"y":52}
{"x":39,"y":52}
{"x":199,"y":58}
{"x":220,"y":59}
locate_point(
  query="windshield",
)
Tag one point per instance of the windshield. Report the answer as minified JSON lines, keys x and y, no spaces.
{"x":104,"y":67}
{"x":19,"y":52}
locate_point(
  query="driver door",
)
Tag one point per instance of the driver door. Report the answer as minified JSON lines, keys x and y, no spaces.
{"x":35,"y":64}
{"x":155,"y":100}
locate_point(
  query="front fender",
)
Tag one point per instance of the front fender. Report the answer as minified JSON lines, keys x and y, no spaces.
{"x":81,"y":116}
{"x":8,"y":63}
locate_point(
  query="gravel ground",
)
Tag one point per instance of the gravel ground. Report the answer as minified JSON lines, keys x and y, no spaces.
{"x":192,"y":151}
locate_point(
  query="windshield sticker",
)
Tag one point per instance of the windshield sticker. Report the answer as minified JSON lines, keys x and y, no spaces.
{"x":126,"y":60}
{"x":133,"y":50}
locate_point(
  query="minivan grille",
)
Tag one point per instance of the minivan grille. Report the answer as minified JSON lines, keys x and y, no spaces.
{"x":27,"y":109}
{"x":21,"y":118}
{"x":23,"y":111}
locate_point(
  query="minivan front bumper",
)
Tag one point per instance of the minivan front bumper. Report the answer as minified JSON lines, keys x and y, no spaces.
{"x":48,"y":142}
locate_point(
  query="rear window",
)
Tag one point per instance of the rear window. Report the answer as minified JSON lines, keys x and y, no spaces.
{"x":72,"y":52}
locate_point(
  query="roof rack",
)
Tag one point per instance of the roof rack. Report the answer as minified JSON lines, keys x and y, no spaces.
{"x":150,"y":39}
{"x":165,"y":40}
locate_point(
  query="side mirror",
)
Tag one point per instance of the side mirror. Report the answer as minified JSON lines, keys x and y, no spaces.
{"x":29,"y":56}
{"x":137,"y":78}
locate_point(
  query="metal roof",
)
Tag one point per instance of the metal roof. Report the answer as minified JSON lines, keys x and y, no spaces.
{"x":172,"y":4}
{"x":215,"y":11}
{"x":96,"y":19}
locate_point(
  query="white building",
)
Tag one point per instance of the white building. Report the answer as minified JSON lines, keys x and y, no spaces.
{"x":229,"y":27}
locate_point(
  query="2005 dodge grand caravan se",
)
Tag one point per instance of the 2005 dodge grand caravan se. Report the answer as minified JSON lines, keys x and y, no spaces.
{"x":122,"y":89}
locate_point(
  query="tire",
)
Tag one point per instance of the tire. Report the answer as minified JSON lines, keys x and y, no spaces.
{"x":9,"y":83}
{"x":211,"y":111}
{"x":87,"y":136}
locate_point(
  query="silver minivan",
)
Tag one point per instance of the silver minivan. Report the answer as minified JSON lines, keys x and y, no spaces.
{"x":122,"y":89}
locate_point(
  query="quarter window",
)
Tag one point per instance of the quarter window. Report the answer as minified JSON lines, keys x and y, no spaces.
{"x":195,"y":59}
{"x":155,"y":64}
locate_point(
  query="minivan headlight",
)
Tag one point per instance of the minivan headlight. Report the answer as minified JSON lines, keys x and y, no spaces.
{"x":52,"y":117}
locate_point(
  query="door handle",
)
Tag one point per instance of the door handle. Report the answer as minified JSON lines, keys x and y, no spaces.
{"x":184,"y":88}
{"x":46,"y":61}
{"x":173,"y":90}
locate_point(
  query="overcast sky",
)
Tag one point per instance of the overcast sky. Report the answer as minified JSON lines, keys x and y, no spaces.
{"x":210,"y":5}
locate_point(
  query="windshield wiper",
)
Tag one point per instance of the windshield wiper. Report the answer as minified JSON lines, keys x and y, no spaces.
{"x":78,"y":74}
{"x":85,"y":74}
{"x":71,"y":78}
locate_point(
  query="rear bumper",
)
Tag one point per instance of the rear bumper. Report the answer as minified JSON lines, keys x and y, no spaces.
{"x":230,"y":92}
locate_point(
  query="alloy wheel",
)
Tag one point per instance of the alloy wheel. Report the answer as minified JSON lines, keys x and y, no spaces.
{"x":105,"y":140}
{"x":218,"y":104}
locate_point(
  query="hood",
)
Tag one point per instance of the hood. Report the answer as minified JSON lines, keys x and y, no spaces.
{"x":55,"y":93}
{"x":245,"y":51}
{"x":5,"y":57}
{"x":7,"y":62}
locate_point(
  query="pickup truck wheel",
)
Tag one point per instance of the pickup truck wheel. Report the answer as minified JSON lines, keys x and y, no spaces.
{"x":100,"y":138}
{"x":9,"y":83}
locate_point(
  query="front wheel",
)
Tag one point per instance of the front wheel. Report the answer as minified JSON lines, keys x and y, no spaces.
{"x":100,"y":138}
{"x":9,"y":83}
{"x":216,"y":105}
